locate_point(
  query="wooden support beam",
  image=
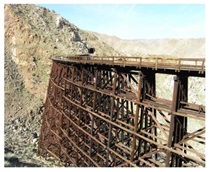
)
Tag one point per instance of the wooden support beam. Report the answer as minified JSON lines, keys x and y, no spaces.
{"x":136,"y":120}
{"x":111,"y":115}
{"x":172,"y":121}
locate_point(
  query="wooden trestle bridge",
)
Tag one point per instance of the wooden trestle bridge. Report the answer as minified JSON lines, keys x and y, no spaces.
{"x":103,"y":111}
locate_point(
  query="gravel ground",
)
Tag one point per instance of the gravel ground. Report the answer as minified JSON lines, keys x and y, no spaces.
{"x":21,"y":142}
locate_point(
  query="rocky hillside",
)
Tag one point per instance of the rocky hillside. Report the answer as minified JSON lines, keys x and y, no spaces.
{"x":32,"y":35}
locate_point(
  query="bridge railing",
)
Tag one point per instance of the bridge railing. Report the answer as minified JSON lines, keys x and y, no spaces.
{"x":156,"y":62}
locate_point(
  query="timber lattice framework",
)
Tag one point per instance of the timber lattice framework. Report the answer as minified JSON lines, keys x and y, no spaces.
{"x":103,"y":111}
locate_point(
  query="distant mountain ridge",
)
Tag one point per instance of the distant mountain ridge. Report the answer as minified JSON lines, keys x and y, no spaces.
{"x":183,"y":48}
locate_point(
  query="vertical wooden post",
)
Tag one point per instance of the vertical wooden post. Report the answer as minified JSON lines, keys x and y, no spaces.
{"x":172,"y":123}
{"x":111,"y":115}
{"x":181,"y":122}
{"x":136,"y":115}
{"x":95,"y":80}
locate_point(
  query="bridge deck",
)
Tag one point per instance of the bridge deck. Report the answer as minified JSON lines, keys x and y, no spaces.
{"x":176,"y":64}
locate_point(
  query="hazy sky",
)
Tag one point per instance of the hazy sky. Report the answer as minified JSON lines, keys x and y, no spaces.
{"x":136,"y":21}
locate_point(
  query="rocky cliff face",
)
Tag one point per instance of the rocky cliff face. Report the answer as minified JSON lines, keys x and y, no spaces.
{"x":32,"y":35}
